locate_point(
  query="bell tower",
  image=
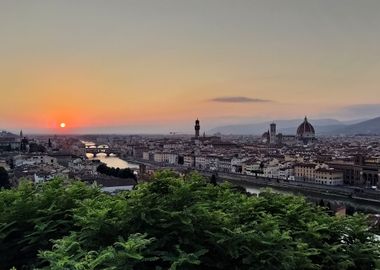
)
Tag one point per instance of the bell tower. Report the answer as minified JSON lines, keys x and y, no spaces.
{"x":197,"y":128}
{"x":272,"y":133}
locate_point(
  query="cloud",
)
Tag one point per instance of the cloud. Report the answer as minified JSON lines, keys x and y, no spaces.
{"x":238,"y":99}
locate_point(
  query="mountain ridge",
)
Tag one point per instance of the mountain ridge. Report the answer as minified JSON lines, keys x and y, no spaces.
{"x":326,"y":126}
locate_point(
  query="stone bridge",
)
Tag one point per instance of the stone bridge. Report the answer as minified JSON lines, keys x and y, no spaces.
{"x":102,"y":149}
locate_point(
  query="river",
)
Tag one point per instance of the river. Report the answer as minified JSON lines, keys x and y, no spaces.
{"x":110,"y":161}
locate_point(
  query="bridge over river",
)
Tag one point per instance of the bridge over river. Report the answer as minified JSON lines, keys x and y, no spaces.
{"x":101,"y":149}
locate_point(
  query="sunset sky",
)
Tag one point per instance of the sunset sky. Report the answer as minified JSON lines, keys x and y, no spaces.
{"x":155,"y":66}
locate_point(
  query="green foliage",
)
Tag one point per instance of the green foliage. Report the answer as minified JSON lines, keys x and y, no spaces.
{"x":175,"y":223}
{"x":121,"y":255}
{"x":31,"y":215}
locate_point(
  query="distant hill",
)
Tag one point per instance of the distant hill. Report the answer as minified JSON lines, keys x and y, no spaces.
{"x":6,"y":134}
{"x":371,"y":126}
{"x":322,"y":127}
{"x":283,"y":126}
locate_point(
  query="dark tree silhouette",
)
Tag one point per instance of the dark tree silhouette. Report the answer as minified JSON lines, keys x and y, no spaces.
{"x":321,"y":203}
{"x":116,"y":172}
{"x":36,"y":148}
{"x":4,"y":178}
{"x":213,"y":180}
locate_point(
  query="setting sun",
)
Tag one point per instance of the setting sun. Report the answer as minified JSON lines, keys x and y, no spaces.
{"x":62,"y":125}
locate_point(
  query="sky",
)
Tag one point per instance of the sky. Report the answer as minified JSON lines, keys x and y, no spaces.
{"x":155,"y":66}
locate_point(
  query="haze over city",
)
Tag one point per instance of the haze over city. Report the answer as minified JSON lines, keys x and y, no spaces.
{"x":155,"y":66}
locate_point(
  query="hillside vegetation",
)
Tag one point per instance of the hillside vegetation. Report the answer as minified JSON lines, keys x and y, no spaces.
{"x":175,"y":223}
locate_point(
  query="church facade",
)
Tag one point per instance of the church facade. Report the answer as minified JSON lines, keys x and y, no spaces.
{"x":305,"y":134}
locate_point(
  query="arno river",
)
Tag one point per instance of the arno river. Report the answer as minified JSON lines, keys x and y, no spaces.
{"x":111,"y":161}
{"x":114,"y":161}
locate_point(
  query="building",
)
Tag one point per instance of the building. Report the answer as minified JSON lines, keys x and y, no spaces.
{"x":272,"y":134}
{"x":272,"y":137}
{"x":252,"y":167}
{"x":306,"y":132}
{"x":170,"y":158}
{"x":212,"y":162}
{"x":201,"y":162}
{"x":265,"y":137}
{"x":146,"y":155}
{"x":22,"y":160}
{"x":225,"y":165}
{"x":288,"y":140}
{"x":158,"y":157}
{"x":316,"y":174}
{"x":4,"y":164}
{"x":286,"y":173}
{"x":84,"y":167}
{"x":329,"y":177}
{"x":304,"y":172}
{"x":9,"y":141}
{"x":189,"y":161}
{"x":197,"y":139}
{"x":359,"y":171}
{"x":197,"y":128}
{"x":237,"y":164}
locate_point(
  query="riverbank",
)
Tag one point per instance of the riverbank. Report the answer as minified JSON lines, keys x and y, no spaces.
{"x":337,"y":195}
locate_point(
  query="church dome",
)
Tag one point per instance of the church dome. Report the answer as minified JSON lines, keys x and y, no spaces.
{"x":306,"y":130}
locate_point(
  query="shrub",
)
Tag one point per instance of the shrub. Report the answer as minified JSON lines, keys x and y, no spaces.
{"x":176,"y":223}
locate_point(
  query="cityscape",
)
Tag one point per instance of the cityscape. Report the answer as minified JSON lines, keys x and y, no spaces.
{"x":189,"y":135}
{"x":346,"y":166}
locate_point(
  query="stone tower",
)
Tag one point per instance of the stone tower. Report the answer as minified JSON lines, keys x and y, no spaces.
{"x":197,"y":128}
{"x":272,"y":134}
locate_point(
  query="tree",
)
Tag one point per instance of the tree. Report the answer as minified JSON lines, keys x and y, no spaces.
{"x":116,"y":172}
{"x":176,"y":223}
{"x":213,"y":179}
{"x":4,"y":178}
{"x":32,"y":215}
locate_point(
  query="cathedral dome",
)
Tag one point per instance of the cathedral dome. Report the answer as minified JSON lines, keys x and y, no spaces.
{"x":306,"y":130}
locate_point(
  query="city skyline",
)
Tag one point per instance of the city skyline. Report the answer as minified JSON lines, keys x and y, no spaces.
{"x":154,"y":67}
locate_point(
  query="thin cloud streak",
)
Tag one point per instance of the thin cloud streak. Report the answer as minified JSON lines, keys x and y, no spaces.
{"x":238,"y":99}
